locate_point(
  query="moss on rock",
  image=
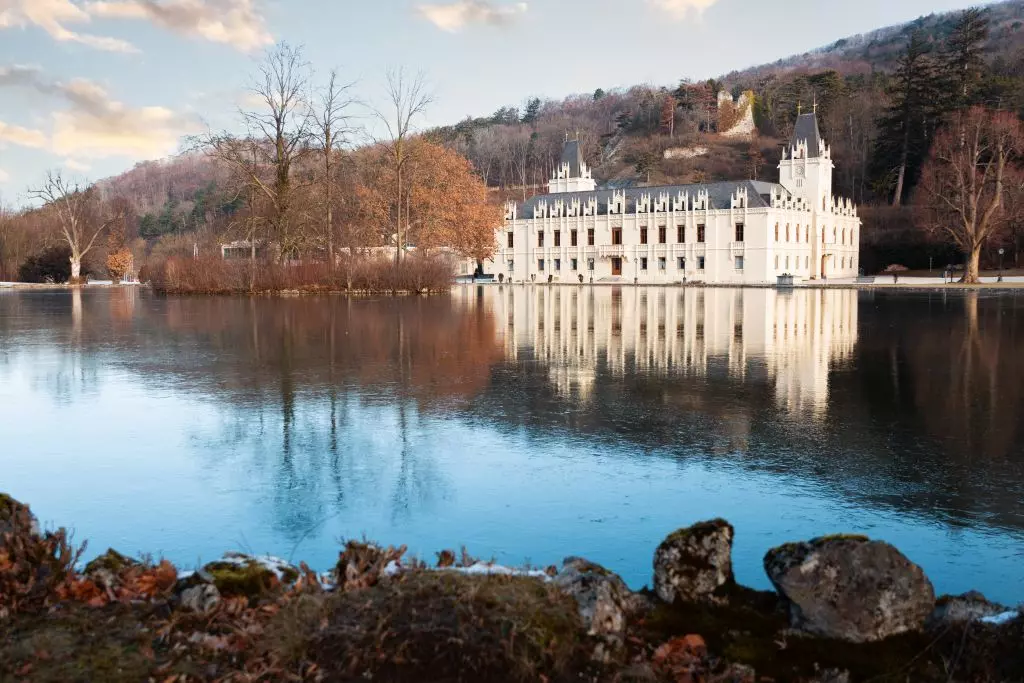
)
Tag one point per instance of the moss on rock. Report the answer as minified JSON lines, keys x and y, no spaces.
{"x":111,"y":561}
{"x":247,"y":578}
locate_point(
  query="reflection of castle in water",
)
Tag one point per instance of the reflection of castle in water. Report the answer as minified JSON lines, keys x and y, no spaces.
{"x":790,"y":338}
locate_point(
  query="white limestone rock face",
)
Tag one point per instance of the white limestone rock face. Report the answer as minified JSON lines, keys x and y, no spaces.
{"x":604,"y":602}
{"x":850,"y":588}
{"x":692,"y":563}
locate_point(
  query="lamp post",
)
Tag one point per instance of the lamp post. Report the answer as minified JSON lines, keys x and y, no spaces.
{"x":1001,"y":252}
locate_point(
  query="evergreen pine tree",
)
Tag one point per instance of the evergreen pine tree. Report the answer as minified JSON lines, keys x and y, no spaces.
{"x":964,"y":61}
{"x":909,"y":121}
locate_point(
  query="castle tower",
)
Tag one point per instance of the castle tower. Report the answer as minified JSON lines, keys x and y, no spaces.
{"x":806,"y":171}
{"x":806,"y":166}
{"x":572,"y":174}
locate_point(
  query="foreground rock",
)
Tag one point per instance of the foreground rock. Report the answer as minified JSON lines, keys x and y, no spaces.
{"x":604,"y":602}
{"x":850,"y":588}
{"x":692,"y":563}
{"x":970,"y":606}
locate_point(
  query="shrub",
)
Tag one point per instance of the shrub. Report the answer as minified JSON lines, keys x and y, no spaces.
{"x":211,"y":275}
{"x":52,"y":264}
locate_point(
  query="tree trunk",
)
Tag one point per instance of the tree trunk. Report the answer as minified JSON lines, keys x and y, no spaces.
{"x":971,"y":267}
{"x":76,"y":269}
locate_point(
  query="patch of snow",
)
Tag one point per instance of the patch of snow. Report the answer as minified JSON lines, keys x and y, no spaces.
{"x":268,"y":562}
{"x":392,"y":569}
{"x":186,"y":574}
{"x":1000,"y":619}
{"x":485,"y":569}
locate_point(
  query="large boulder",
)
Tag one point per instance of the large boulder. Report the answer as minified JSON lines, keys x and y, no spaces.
{"x":850,"y":588}
{"x":604,"y":602}
{"x":692,"y":563}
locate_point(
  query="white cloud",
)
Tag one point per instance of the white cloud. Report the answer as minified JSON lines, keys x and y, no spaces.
{"x":92,"y":124}
{"x":454,"y":16}
{"x":237,"y":23}
{"x":52,"y":17}
{"x":680,"y":9}
{"x":73,"y":165}
{"x":233,"y":22}
{"x":24,"y":137}
{"x":4,"y":176}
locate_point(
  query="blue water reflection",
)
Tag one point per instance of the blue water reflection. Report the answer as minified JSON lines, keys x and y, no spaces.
{"x":525,"y":423}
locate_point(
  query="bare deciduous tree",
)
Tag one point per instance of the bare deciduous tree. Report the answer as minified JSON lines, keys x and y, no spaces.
{"x":407,"y":99}
{"x":278,"y":137}
{"x":331,"y":125}
{"x":964,"y":182}
{"x":79,"y":216}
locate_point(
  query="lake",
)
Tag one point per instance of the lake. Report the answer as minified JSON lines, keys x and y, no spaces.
{"x":526,"y":423}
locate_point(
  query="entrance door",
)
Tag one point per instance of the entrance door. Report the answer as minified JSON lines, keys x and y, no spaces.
{"x":616,"y":266}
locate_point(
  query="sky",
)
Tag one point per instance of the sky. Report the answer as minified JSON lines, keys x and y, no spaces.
{"x":91,"y":87}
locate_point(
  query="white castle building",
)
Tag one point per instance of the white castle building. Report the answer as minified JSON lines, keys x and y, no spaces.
{"x":736,"y":232}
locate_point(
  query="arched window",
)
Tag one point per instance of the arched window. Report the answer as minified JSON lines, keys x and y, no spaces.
{"x":807,"y":234}
{"x":835,"y":231}
{"x":823,"y":235}
{"x":776,"y":262}
{"x":844,"y":235}
{"x":776,"y":235}
{"x":787,"y":232}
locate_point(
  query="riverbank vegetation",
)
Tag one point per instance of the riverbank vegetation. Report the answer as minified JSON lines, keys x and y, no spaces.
{"x":379,"y":615}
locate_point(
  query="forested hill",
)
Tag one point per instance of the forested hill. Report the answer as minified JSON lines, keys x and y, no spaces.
{"x":880,"y":50}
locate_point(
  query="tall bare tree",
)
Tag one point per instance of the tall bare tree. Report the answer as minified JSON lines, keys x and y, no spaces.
{"x":965,"y":180}
{"x":407,"y":100}
{"x":331,"y":125}
{"x":278,"y":137}
{"x":79,"y":214}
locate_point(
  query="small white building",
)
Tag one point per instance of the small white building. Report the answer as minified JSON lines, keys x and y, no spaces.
{"x":735,"y":232}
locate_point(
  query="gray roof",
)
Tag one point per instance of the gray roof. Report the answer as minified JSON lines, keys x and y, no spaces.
{"x":719,"y":194}
{"x":572,"y":155}
{"x":806,"y":128}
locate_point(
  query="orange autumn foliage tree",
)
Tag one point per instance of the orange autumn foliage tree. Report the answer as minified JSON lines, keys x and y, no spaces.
{"x":446,"y":203}
{"x":120,"y":263}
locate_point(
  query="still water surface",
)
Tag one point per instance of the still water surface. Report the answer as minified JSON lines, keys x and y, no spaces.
{"x":525,"y":423}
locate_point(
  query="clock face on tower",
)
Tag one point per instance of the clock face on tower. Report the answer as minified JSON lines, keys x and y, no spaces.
{"x":799,"y":171}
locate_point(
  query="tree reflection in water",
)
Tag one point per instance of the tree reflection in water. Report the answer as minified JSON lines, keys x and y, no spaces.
{"x":334,"y":406}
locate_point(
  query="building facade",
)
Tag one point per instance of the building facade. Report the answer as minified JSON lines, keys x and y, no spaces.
{"x":736,"y":232}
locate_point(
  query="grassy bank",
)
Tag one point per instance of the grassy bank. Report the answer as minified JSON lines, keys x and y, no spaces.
{"x":414,"y":274}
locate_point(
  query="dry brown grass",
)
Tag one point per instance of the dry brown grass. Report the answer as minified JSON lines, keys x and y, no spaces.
{"x":206,"y":275}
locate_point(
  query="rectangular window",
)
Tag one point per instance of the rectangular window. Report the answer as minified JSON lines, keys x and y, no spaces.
{"x":807,"y":261}
{"x":787,"y":263}
{"x":590,"y":262}
{"x":643,"y":263}
{"x":807,"y":234}
{"x":616,"y":235}
{"x":511,"y":265}
{"x":558,"y":263}
{"x":681,"y":263}
{"x":662,"y":235}
{"x":540,"y":264}
{"x":574,"y":264}
{"x":511,"y":240}
{"x":739,"y":263}
{"x":558,"y":238}
{"x":700,"y":234}
{"x":643,"y":235}
{"x":573,"y":238}
{"x":700,"y":263}
{"x":540,"y":239}
{"x":662,"y":264}
{"x":739,"y":232}
{"x":590,"y":237}
{"x":776,"y":262}
{"x":681,"y":234}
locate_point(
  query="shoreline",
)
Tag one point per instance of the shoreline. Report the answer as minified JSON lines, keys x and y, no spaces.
{"x":845,"y":608}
